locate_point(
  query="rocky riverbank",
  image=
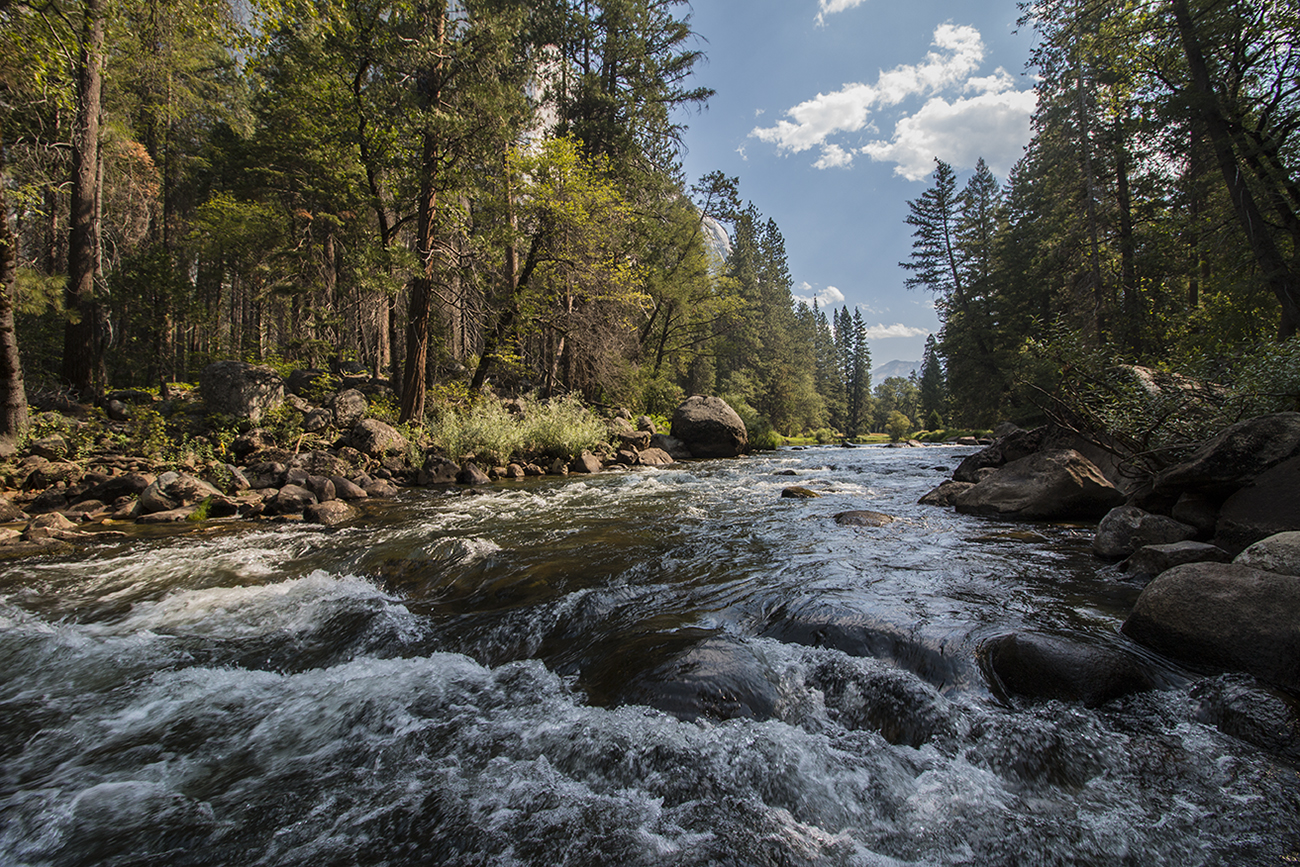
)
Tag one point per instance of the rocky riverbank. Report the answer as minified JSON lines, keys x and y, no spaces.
{"x":1214,"y":540}
{"x":322,"y":465}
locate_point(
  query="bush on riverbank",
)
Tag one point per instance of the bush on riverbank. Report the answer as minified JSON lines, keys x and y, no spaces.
{"x":562,"y":427}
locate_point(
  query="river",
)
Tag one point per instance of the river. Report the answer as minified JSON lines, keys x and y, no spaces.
{"x":653,"y":667}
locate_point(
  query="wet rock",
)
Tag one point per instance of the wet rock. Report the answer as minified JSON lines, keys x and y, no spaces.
{"x":1150,"y":560}
{"x":709,"y":428}
{"x":655,"y":457}
{"x":585,"y":463}
{"x":168,"y":516}
{"x":945,"y":493}
{"x":1124,"y":529}
{"x":1279,"y":553}
{"x":372,"y":437}
{"x":719,"y":678}
{"x":349,"y":407}
{"x":50,"y":526}
{"x":798,"y":492}
{"x":290,"y":500}
{"x":346,"y":489}
{"x":1251,"y":711}
{"x":240,"y":389}
{"x":627,"y":457}
{"x":1267,"y":506}
{"x":86,"y":510}
{"x":437,"y":470}
{"x":1040,"y":666}
{"x":1236,"y":456}
{"x":1044,"y":486}
{"x":330,"y":513}
{"x":471,"y":474}
{"x":558,"y":467}
{"x":1223,"y":615}
{"x":863,"y":518}
{"x":902,"y":708}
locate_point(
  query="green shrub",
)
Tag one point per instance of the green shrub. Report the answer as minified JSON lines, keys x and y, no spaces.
{"x":561,"y":427}
{"x":898,"y":426}
{"x":486,"y":430}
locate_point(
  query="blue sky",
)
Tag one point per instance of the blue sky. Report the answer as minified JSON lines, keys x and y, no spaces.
{"x":831,"y":113}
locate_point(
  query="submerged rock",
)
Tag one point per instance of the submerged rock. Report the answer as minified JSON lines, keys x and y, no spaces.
{"x":1045,"y":485}
{"x":1223,"y":615}
{"x":945,"y":493}
{"x":863,"y":518}
{"x":1256,"y":713}
{"x":719,"y":678}
{"x":1040,"y":666}
{"x":798,"y":492}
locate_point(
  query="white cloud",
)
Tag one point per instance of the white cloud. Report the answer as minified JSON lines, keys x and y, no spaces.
{"x":881,"y":331}
{"x":846,"y":110}
{"x":834,"y":157}
{"x":829,"y":296}
{"x":992,"y":125}
{"x":830,"y":7}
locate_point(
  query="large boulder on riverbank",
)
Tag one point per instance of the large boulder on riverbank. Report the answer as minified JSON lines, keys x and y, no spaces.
{"x":1044,"y":486}
{"x":1235,"y":457}
{"x":709,"y":428}
{"x":241,"y":389}
{"x":1279,"y":553}
{"x":1223,"y":615}
{"x":1125,"y":529}
{"x":1267,"y":506}
{"x":1014,"y":445}
{"x":372,"y":437}
{"x":172,"y":491}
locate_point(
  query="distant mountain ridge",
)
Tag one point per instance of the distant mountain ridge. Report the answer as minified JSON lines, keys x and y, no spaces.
{"x":894,"y":368}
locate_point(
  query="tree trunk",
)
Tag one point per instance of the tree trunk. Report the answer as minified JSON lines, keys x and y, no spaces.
{"x":1278,"y":275}
{"x":13,"y":394}
{"x":82,"y":368}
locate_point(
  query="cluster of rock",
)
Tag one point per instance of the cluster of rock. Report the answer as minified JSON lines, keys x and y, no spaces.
{"x":1215,"y":539}
{"x":350,"y":458}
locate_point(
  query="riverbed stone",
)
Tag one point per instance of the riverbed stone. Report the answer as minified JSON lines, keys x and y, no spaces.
{"x":945,"y":493}
{"x":655,"y":457}
{"x":1124,"y":529}
{"x":670,"y":445}
{"x":799,"y":492}
{"x":381,"y":488}
{"x":585,"y":463}
{"x":1267,"y":506}
{"x":1235,"y":456}
{"x":1047,"y":485}
{"x":1244,"y":708}
{"x":1017,"y":444}
{"x":709,"y":428}
{"x":1279,"y":553}
{"x":173,"y":490}
{"x":9,"y":512}
{"x":1150,"y":560}
{"x":1223,"y":615}
{"x":437,"y":470}
{"x":241,"y":389}
{"x":718,"y":678}
{"x":166,"y":516}
{"x":1042,"y":666}
{"x":330,"y":513}
{"x":375,"y":438}
{"x":863,"y":518}
{"x":346,"y":489}
{"x":49,"y":473}
{"x":322,"y":487}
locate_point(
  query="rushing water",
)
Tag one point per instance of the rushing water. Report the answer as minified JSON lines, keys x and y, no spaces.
{"x":670,"y":666}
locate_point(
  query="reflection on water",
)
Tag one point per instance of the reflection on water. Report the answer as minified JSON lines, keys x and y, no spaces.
{"x":668,"y":666}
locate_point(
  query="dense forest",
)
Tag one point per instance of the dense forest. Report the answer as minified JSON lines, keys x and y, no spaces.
{"x":487,"y":193}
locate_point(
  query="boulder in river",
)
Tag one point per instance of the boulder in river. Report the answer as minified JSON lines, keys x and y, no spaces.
{"x":1016,"y":444}
{"x":709,"y":428}
{"x":1235,"y":457}
{"x":1041,"y":666}
{"x":719,"y":678}
{"x":863,"y":518}
{"x":1044,"y":486}
{"x":330,"y":513}
{"x":798,"y":492}
{"x":1223,"y":615}
{"x":1267,"y":506}
{"x":1124,"y":529}
{"x":1244,"y":708}
{"x":1279,"y":553}
{"x":241,"y":389}
{"x":945,"y":493}
{"x":585,"y":463}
